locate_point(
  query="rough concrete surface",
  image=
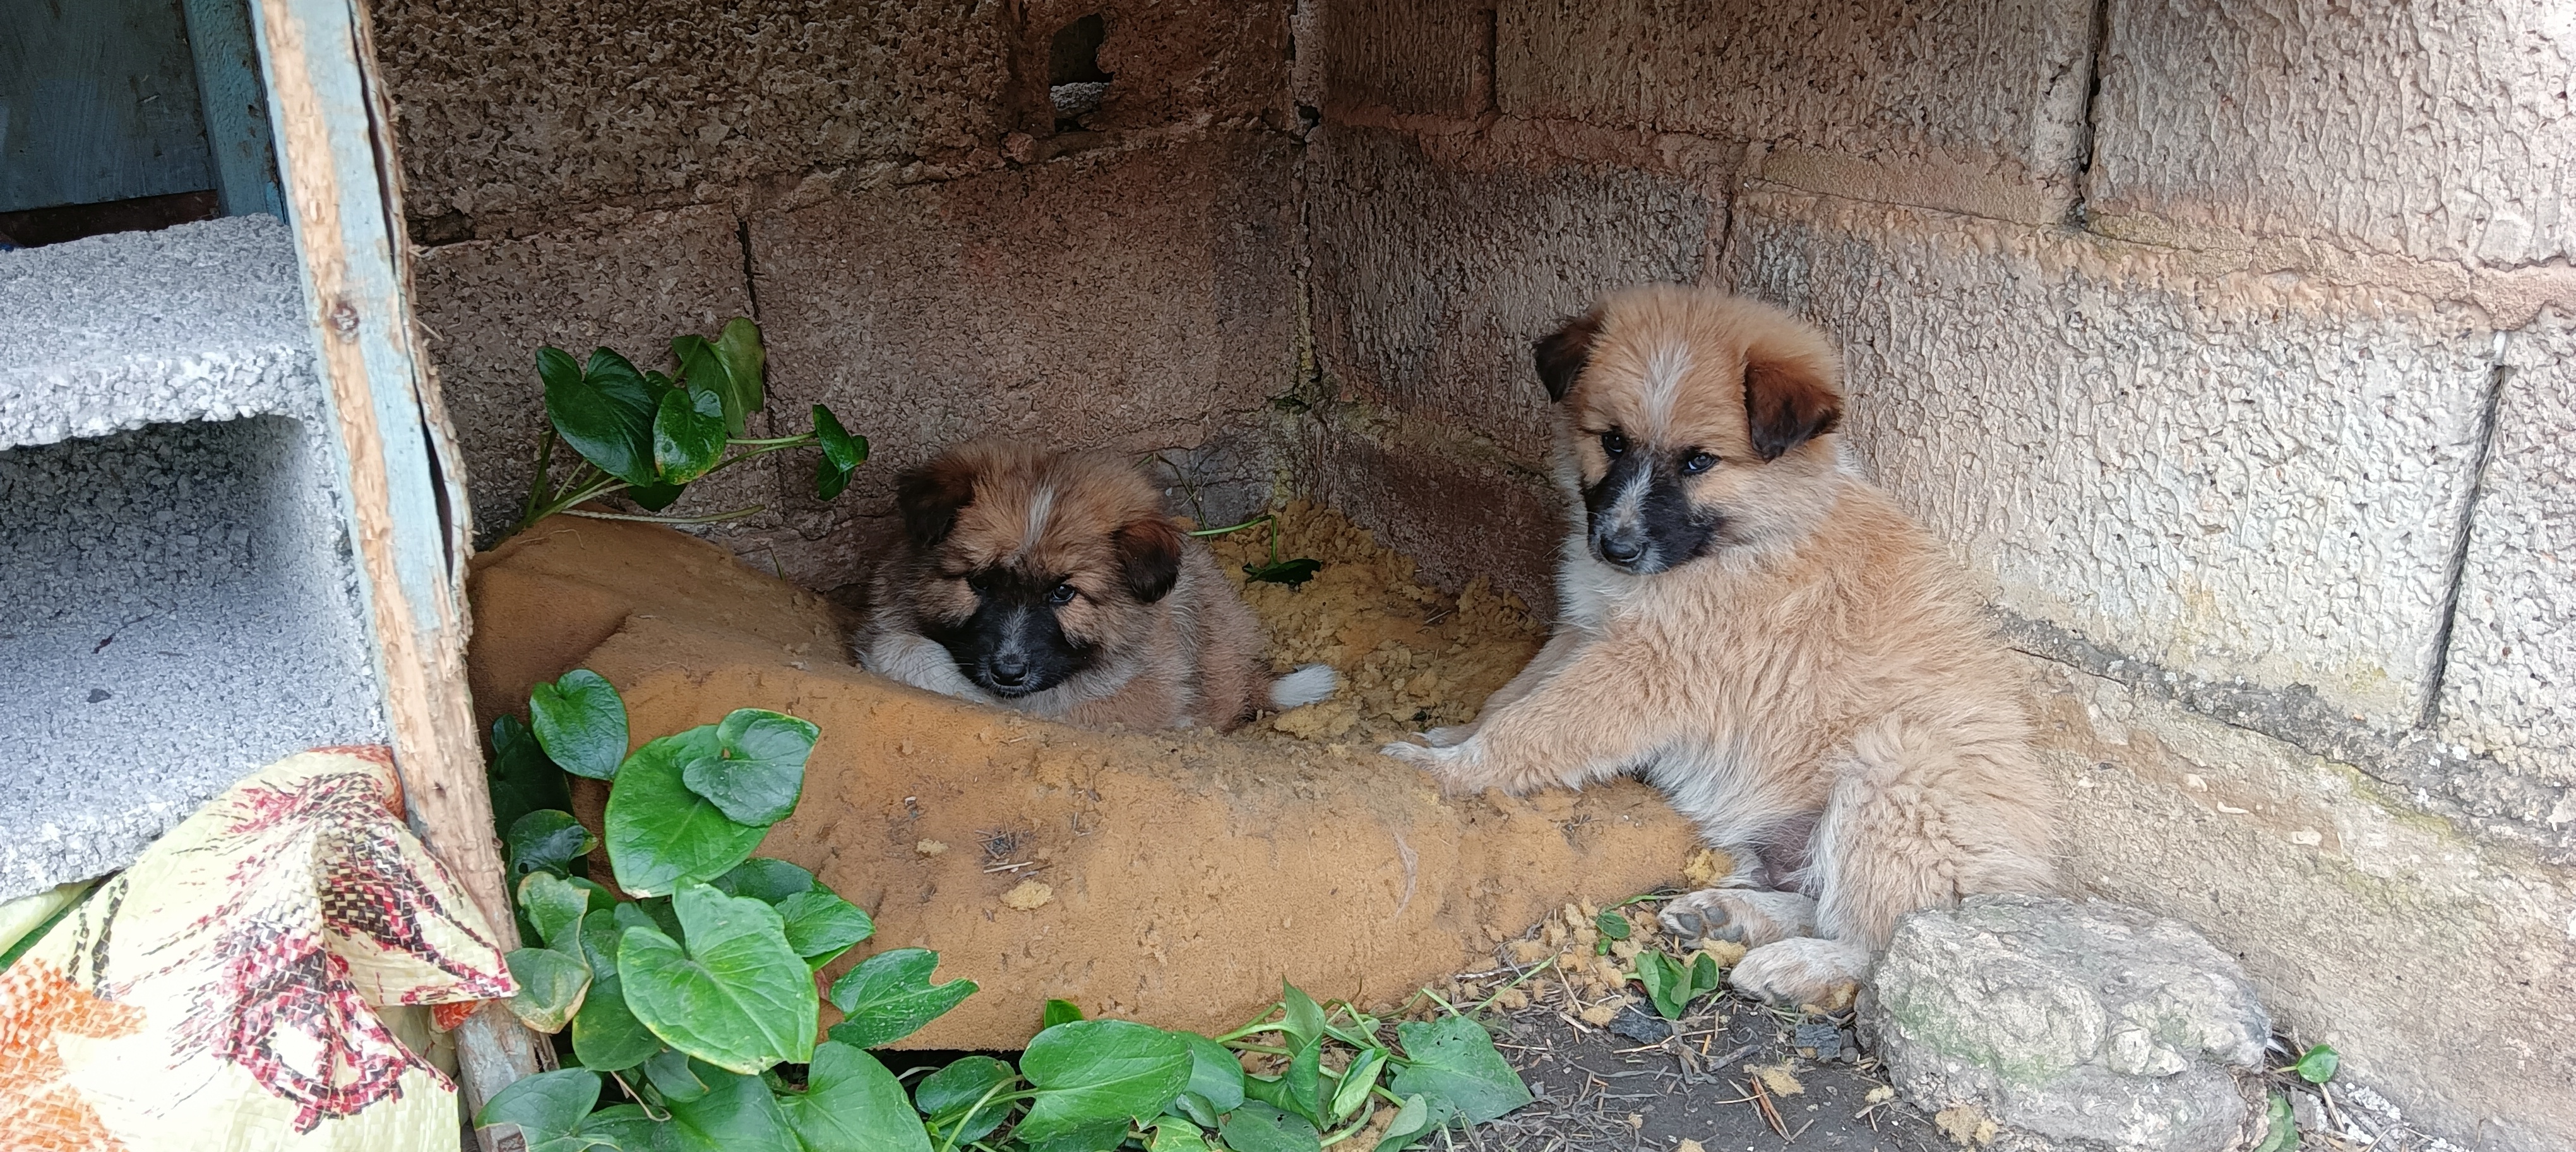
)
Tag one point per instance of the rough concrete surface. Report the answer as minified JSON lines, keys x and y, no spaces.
{"x":2441,"y":965}
{"x":178,"y":610}
{"x":1138,"y":299}
{"x":525,"y":106}
{"x":2224,"y":474}
{"x":2441,"y":131}
{"x":1418,"y":57}
{"x":1460,"y":509}
{"x":626,"y":280}
{"x":1430,"y":283}
{"x":2087,"y":1024}
{"x":198,"y":322}
{"x":2509,"y":687}
{"x":1170,"y":62}
{"x":1977,"y":106}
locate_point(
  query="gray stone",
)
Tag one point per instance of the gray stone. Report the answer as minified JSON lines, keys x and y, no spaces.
{"x":198,"y":322}
{"x":2089,"y":1024}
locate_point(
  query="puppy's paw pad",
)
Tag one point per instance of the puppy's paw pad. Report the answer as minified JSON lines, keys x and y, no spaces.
{"x":1744,"y":916}
{"x":1803,"y":972}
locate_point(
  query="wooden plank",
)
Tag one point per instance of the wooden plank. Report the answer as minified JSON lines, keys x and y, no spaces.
{"x":97,"y":103}
{"x":236,"y":107}
{"x":405,"y":498}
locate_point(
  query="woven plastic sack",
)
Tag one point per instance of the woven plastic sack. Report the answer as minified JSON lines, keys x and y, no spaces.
{"x":251,"y":982}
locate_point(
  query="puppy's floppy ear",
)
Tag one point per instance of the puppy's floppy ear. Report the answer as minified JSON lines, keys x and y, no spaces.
{"x":930,"y":496}
{"x":1561,"y":354}
{"x":1149,"y":557}
{"x":1789,"y":396}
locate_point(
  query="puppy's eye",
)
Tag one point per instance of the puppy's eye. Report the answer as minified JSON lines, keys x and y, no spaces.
{"x":980,"y":582}
{"x":1613,"y":444}
{"x":1698,"y":462}
{"x":1060,"y":594}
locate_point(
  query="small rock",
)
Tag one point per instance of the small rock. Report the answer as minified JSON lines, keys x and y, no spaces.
{"x":1643,"y":1027}
{"x":1820,"y":1040}
{"x":1029,"y":896}
{"x":1776,"y":1077}
{"x":1964,"y":1125}
{"x":2089,"y":1025}
{"x":930,"y":847}
{"x":1601,"y":1015}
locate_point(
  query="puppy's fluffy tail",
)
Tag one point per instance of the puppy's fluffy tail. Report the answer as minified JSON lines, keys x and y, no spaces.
{"x":1303,"y":686}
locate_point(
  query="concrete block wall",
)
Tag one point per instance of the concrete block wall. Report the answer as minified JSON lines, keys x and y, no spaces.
{"x":2227,"y":343}
{"x":886,"y":185}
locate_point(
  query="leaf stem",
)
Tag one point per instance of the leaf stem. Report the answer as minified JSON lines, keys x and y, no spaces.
{"x":1264,"y":518}
{"x":709,"y":518}
{"x":950,"y":1144}
{"x":537,"y":478}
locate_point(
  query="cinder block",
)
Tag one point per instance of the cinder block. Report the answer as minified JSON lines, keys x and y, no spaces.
{"x":1172,"y":60}
{"x":2509,"y":688}
{"x":2223,"y":473}
{"x":521,"y":106}
{"x":2437,"y":130}
{"x":1139,"y":300}
{"x":1976,"y":106}
{"x":1416,"y":57}
{"x":626,"y":280}
{"x":1458,"y":513}
{"x":1430,"y":280}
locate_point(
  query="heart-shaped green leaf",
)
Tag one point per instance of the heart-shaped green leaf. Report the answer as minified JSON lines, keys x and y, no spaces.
{"x":958,"y":1086}
{"x":1356,"y":1082}
{"x":623,"y":1127}
{"x":522,"y":780}
{"x":2319,"y":1064}
{"x":1300,"y":1017}
{"x":688,"y":434}
{"x":662,"y":835}
{"x":1092,"y":1072}
{"x":581,"y":723}
{"x":1176,"y":1136}
{"x":737,"y":1114}
{"x":1058,"y":1012}
{"x":1662,"y":979}
{"x":1611,"y":924}
{"x":653,"y":497}
{"x":852,"y":1104}
{"x":605,"y":413}
{"x":1300,"y":1089}
{"x":1258,"y":1127}
{"x":555,"y":906}
{"x":1450,"y":1061}
{"x":764,"y":879}
{"x":546,"y":840}
{"x":736,"y":997}
{"x":551,"y":987}
{"x":1410,"y":1123}
{"x":605,"y":1033}
{"x":889,"y":996}
{"x":548,"y":1109}
{"x":677,"y":1076}
{"x":844,"y":451}
{"x":2280,"y":1126}
{"x":821,"y":926}
{"x":1216,"y":1077}
{"x":829,"y":481}
{"x":739,"y":349}
{"x":758,"y":767}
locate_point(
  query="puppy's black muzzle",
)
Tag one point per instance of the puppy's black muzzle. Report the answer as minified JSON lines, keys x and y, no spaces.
{"x":1641,"y":519}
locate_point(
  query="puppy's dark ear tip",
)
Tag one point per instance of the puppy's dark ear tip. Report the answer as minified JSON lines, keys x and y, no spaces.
{"x":1560,"y":356}
{"x":930,"y":496}
{"x":1149,"y":554}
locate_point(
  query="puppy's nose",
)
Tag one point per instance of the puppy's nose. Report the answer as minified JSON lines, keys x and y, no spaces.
{"x":1009,"y":669}
{"x":1622,"y":549}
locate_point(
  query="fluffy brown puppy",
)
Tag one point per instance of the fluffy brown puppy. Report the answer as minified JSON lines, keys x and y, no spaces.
{"x":1054,"y":583}
{"x":1763,"y":635}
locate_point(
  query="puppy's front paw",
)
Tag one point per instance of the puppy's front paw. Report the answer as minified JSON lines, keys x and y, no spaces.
{"x":1449,"y":737}
{"x":1744,"y":916}
{"x":1455,"y":767}
{"x":1810,"y":972}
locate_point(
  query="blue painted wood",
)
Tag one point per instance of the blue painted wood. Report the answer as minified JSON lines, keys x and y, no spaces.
{"x":404,"y":495}
{"x":98,"y":102}
{"x":236,"y":107}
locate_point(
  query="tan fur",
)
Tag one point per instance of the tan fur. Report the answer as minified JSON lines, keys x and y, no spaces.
{"x":1191,"y":658}
{"x":1823,"y":667}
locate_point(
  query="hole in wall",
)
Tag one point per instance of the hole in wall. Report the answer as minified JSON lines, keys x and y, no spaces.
{"x":1074,"y":80}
